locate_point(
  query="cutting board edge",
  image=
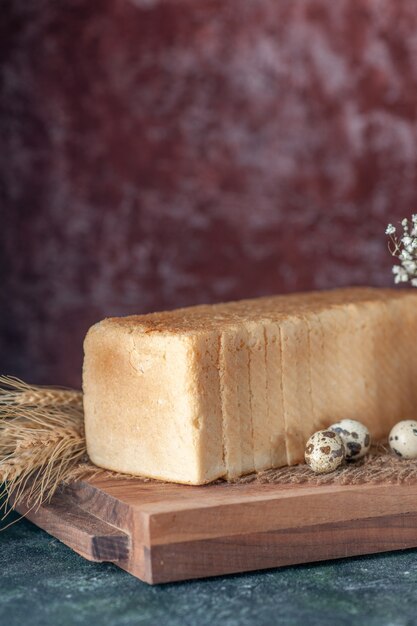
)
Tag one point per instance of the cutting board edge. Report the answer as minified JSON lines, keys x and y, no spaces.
{"x":156,"y":557}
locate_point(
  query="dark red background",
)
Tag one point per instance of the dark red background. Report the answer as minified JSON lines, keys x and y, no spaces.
{"x":160,"y":153}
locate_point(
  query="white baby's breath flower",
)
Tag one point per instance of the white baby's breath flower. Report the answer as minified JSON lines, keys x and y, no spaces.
{"x":410,"y":266}
{"x":404,"y":247}
{"x":401,"y":275}
{"x":405,"y":256}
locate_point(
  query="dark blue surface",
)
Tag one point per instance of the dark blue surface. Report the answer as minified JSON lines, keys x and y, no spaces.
{"x":43,"y":582}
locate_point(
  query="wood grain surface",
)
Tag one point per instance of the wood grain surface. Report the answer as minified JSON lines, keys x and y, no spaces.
{"x":165,"y":532}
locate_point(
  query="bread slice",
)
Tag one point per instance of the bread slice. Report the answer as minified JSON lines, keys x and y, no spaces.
{"x":275,"y":422}
{"x":214,"y":391}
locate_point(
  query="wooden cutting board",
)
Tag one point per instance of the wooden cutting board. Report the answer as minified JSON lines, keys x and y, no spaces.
{"x":165,"y":532}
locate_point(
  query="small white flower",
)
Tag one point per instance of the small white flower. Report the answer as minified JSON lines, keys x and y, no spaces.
{"x":414,"y":218}
{"x":401,"y":275}
{"x":390,"y":230}
{"x":407,"y":240}
{"x":400,"y":278}
{"x":414,"y":282}
{"x":405,"y":256}
{"x":404,"y":223}
{"x":410,"y":267}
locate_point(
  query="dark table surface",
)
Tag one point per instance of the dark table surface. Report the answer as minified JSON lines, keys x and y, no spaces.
{"x":43,"y":582}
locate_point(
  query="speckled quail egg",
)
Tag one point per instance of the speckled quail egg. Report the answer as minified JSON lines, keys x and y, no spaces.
{"x":355,"y":436}
{"x":403,"y":439}
{"x":324,"y":451}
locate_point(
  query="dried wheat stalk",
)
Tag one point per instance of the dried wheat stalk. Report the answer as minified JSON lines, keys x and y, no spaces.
{"x":16,"y":394}
{"x":42,"y":440}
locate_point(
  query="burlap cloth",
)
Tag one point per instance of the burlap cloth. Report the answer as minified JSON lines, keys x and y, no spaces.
{"x":378,"y":466}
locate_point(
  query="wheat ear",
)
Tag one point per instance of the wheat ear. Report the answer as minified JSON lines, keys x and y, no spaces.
{"x":42,"y":441}
{"x":16,"y":393}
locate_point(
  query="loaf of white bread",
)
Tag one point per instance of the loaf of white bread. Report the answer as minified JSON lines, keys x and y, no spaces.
{"x":222,"y":390}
